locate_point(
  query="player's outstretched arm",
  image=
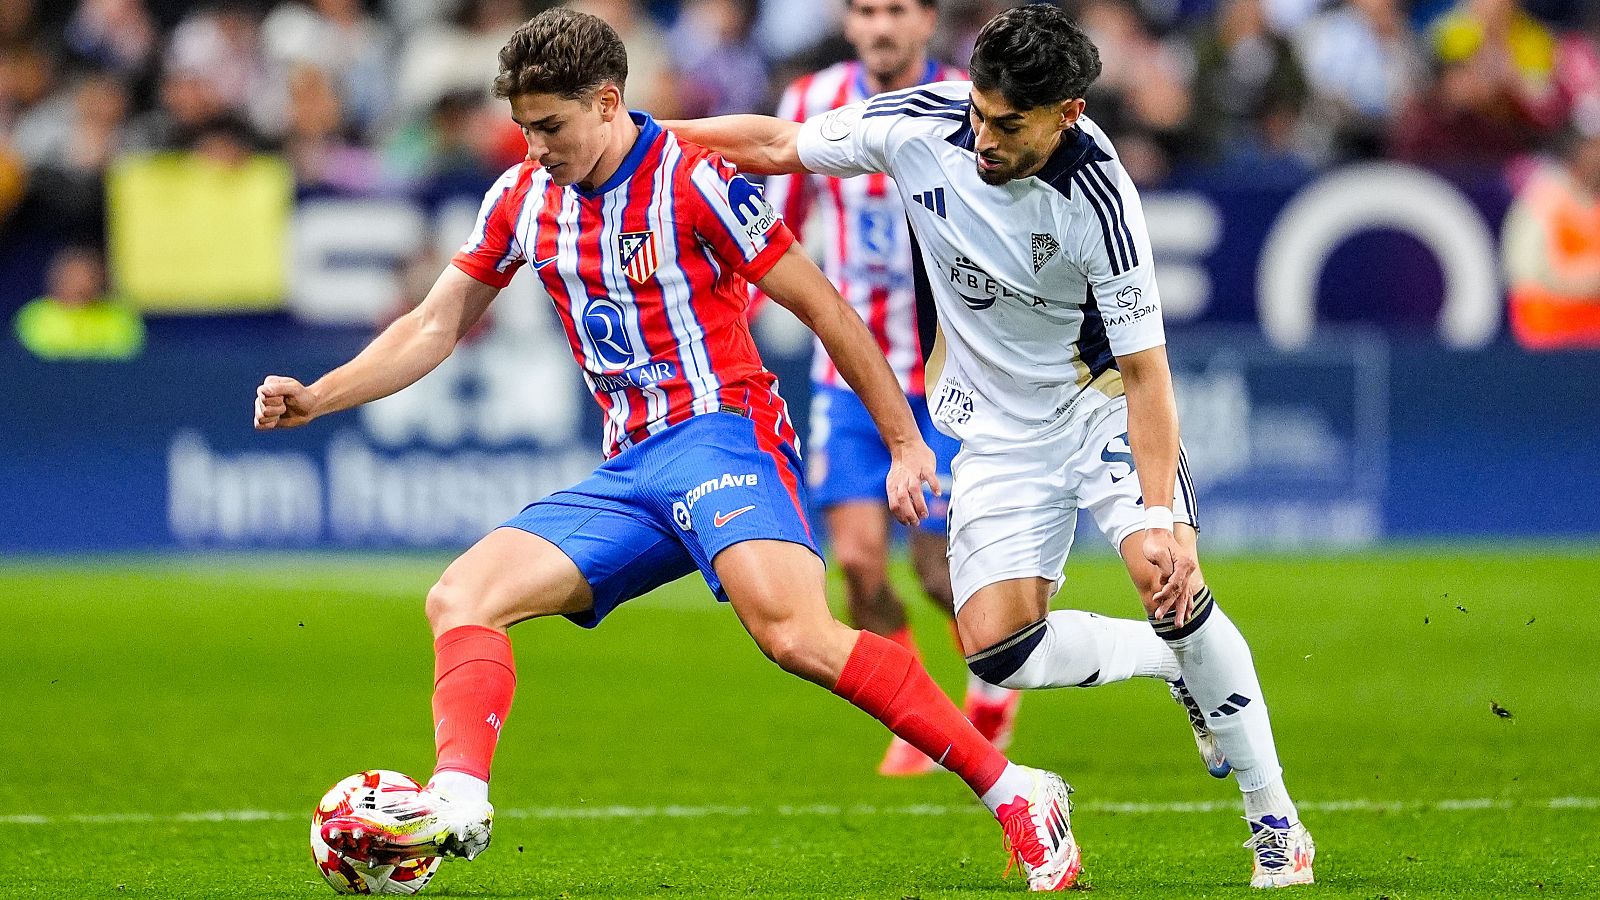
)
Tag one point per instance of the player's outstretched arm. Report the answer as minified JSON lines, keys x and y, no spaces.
{"x":408,"y":349}
{"x":1153,"y":437}
{"x":756,"y":145}
{"x":799,"y":286}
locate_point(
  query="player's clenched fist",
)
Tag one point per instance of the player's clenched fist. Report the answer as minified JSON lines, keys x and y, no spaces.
{"x":283,"y":402}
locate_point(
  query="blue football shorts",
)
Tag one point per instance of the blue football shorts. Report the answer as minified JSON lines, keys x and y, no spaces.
{"x":848,"y":461}
{"x":668,"y":505}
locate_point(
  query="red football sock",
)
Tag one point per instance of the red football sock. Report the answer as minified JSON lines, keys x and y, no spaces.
{"x":474,"y":677}
{"x":886,"y":681}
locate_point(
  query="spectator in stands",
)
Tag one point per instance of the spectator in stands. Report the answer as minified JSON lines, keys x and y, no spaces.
{"x":1506,"y":48}
{"x":719,"y":69}
{"x":461,"y":145}
{"x":68,"y":142}
{"x":316,"y":143}
{"x":1552,"y":248}
{"x":460,"y":54}
{"x":1249,"y":93}
{"x":352,"y":48}
{"x":27,"y":77}
{"x":75,"y":320}
{"x":1140,"y":98}
{"x":116,"y":35}
{"x":220,"y":46}
{"x":186,"y":100}
{"x":1577,"y":69}
{"x":1465,"y":119}
{"x":786,"y":28}
{"x":1364,"y":64}
{"x":77,"y":130}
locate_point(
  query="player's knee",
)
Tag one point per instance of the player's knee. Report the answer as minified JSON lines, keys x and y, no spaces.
{"x":1004,"y":664}
{"x":863,"y":559}
{"x":450,"y":604}
{"x":791,"y":647}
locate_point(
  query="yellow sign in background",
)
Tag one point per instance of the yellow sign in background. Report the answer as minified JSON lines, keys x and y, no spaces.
{"x":192,"y":234}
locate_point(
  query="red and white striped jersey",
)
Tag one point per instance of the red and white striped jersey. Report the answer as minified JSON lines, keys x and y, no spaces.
{"x":864,"y":240}
{"x":648,"y":273}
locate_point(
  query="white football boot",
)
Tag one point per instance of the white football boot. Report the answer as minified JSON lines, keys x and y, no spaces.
{"x":412,"y":825}
{"x":1038,"y":830}
{"x":1284,"y":853}
{"x":1217,"y":765}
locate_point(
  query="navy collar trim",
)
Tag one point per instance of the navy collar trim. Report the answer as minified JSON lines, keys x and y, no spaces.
{"x":649,"y":132}
{"x":1076,"y":151}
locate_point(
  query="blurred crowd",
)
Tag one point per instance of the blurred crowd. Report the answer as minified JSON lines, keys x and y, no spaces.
{"x":377,"y":96}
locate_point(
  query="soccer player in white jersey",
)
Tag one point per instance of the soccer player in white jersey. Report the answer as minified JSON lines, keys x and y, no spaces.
{"x":1051,"y":369}
{"x":857,"y":226}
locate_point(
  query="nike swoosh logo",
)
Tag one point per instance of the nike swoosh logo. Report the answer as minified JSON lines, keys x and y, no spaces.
{"x":541,"y":263}
{"x":720,"y":520}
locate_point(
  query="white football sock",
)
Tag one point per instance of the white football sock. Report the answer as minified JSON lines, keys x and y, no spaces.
{"x":1221,"y":676}
{"x":460,"y":786}
{"x":1272,"y":800}
{"x":1082,"y":649}
{"x":1015,"y":781}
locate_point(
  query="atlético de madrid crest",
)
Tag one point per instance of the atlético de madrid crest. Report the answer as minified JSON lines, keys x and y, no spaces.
{"x":639,"y":257}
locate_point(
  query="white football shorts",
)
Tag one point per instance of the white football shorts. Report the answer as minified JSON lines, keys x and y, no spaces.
{"x":1013,"y":506}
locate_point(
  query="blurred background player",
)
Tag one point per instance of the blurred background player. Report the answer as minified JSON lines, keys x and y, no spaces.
{"x":858,"y":228}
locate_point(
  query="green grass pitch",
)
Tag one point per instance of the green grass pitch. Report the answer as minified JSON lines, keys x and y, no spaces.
{"x":166,"y":726}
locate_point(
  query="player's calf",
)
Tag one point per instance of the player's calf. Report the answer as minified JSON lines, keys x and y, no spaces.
{"x":1069,"y":648}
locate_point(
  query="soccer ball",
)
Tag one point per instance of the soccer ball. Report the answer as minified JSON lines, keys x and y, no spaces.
{"x":348,"y":876}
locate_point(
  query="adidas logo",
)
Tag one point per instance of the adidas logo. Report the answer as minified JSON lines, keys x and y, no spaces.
{"x":1233,"y":704}
{"x":933,"y":200}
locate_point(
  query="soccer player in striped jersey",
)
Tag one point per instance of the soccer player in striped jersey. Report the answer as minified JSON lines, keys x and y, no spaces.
{"x":859,"y":227}
{"x":644,"y":244}
{"x":1050,"y":366}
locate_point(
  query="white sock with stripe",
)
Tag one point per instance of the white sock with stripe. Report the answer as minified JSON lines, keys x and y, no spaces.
{"x":1221,"y":676}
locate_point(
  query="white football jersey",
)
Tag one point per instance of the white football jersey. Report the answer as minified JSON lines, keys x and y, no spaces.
{"x":1038,"y":283}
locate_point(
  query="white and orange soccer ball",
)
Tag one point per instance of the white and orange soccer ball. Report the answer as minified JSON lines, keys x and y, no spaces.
{"x":347,"y":876}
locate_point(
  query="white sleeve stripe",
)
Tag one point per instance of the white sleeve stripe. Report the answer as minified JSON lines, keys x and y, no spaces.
{"x":911,"y":112}
{"x":915,"y":94}
{"x":724,"y":213}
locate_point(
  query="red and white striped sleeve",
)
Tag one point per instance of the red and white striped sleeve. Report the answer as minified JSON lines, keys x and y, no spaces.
{"x":734,"y":219}
{"x":492,"y":254}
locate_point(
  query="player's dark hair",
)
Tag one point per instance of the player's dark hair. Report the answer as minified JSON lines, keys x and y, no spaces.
{"x":1034,"y":56}
{"x":561,"y":52}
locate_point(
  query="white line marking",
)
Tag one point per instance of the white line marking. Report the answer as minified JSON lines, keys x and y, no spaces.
{"x":824,"y":809}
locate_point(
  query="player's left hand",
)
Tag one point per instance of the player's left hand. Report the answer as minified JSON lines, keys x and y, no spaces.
{"x":1178,"y":566}
{"x":911,"y":467}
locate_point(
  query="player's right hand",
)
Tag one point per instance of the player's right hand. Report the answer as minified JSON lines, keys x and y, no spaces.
{"x":909,"y":469}
{"x":283,"y":402}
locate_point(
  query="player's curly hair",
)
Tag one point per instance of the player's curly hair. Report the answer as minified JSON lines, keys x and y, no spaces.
{"x":561,"y":52}
{"x":1034,"y":55}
